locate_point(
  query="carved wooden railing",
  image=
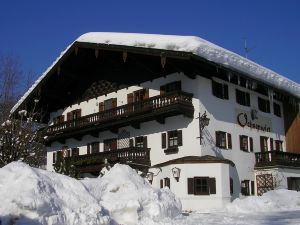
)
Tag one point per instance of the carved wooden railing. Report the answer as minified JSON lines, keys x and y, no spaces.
{"x":125,"y":111}
{"x":276,"y":158}
{"x":125,"y":155}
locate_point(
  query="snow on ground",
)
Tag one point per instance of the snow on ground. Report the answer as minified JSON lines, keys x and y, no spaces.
{"x":121,"y":196}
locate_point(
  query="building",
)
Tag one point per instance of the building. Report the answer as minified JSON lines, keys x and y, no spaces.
{"x":208,"y":123}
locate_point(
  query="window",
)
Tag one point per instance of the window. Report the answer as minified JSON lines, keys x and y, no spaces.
{"x":220,"y":90}
{"x":246,"y":143}
{"x":54,"y":157}
{"x":201,"y":185}
{"x":264,"y":144}
{"x":223,"y":140}
{"x":108,"y":104}
{"x":171,"y":87}
{"x":231,"y":186}
{"x":245,"y":188}
{"x":141,"y":142}
{"x":171,"y":139}
{"x":293,"y":183}
{"x":242,"y":98}
{"x":73,"y":115}
{"x":59,"y":119}
{"x":165,"y":182}
{"x":110,"y":144}
{"x":95,"y":147}
{"x":263,"y":105}
{"x":75,"y":151}
{"x":277,"y":110}
{"x":278,"y":145}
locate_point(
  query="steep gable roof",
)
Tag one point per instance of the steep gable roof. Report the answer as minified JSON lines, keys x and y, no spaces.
{"x":187,"y":44}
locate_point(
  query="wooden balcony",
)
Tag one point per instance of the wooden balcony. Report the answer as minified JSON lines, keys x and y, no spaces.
{"x":92,"y":163}
{"x":154,"y":108}
{"x":276,"y":158}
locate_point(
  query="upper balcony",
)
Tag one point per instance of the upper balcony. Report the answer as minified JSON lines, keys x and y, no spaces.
{"x":276,"y":158}
{"x":154,"y":108}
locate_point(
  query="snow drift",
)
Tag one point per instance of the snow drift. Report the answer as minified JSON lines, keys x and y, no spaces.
{"x":277,"y":200}
{"x":34,"y":196}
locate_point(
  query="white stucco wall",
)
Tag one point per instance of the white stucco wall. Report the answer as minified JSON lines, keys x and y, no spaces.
{"x":219,"y":171}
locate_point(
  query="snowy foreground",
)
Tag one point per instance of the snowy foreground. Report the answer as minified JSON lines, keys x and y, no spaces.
{"x":33,"y":197}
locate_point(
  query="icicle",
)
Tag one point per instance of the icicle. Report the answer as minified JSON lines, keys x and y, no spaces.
{"x":254,"y":85}
{"x":270,"y":93}
{"x":229,"y":76}
{"x":247,"y":82}
{"x":239,"y":81}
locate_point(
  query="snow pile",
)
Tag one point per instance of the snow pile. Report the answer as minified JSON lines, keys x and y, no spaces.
{"x":130,"y":199}
{"x":34,"y":196}
{"x":29,"y":194}
{"x":278,"y":200}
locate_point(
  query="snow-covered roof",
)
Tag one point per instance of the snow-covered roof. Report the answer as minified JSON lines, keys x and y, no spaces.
{"x":192,"y":44}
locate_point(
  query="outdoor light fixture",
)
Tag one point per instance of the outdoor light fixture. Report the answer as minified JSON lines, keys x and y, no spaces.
{"x":176,"y":173}
{"x":150,"y":177}
{"x":203,"y":122}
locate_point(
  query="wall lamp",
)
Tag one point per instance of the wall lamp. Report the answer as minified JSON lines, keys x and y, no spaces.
{"x":176,"y":173}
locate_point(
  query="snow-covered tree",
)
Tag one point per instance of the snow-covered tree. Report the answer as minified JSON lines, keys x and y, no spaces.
{"x":22,"y":139}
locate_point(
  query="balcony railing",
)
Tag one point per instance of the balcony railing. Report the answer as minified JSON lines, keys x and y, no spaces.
{"x":95,"y":161}
{"x":162,"y":105}
{"x":276,"y":158}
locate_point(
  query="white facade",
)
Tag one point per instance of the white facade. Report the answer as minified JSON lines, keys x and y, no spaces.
{"x":222,"y":114}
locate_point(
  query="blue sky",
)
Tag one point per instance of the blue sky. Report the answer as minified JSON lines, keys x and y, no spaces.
{"x":37,"y":31}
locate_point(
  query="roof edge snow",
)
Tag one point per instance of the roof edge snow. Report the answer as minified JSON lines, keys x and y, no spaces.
{"x":189,"y":44}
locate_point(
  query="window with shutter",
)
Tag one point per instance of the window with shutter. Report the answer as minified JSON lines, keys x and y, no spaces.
{"x":231,"y":186}
{"x":244,"y":143}
{"x":212,"y":185}
{"x":161,"y":183}
{"x":251,"y":144}
{"x":167,"y":182}
{"x":145,"y":142}
{"x":263,"y":144}
{"x":163,"y":140}
{"x":54,"y":157}
{"x":229,"y":141}
{"x":170,"y":87}
{"x":95,"y":147}
{"x":139,"y":142}
{"x":271,"y":144}
{"x":245,"y":189}
{"x":201,"y":185}
{"x":101,"y":106}
{"x":88,"y":150}
{"x":190,"y":182}
{"x":252,"y":188}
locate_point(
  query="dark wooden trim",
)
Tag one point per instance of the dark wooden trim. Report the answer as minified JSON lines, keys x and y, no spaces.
{"x":276,"y":158}
{"x":130,"y":114}
{"x":195,"y":159}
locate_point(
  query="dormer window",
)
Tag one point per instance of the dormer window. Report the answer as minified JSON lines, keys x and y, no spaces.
{"x":170,"y":87}
{"x":220,"y":90}
{"x":242,"y":98}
